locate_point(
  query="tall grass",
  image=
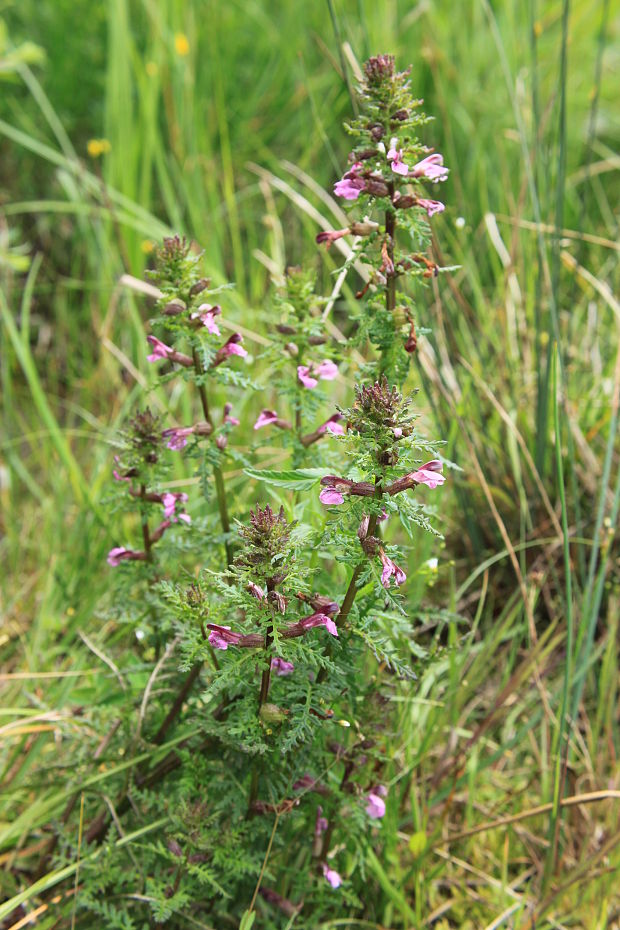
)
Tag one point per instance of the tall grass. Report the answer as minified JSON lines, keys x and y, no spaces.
{"x":496,"y":741}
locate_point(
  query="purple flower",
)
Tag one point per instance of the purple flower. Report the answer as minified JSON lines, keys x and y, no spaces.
{"x":117,"y":555}
{"x":119,"y":477}
{"x":431,"y":206}
{"x":334,"y":879}
{"x":396,"y":157}
{"x":431,"y":167}
{"x":319,"y":619}
{"x":321,"y":823}
{"x":390,"y":568}
{"x":351,"y":185}
{"x":221,"y":637}
{"x":265,"y":418}
{"x":177,"y":436}
{"x":281,"y":666}
{"x":160,"y":349}
{"x":376,"y":805}
{"x":398,"y":432}
{"x":333,"y":426}
{"x":206,"y":314}
{"x":170,"y":501}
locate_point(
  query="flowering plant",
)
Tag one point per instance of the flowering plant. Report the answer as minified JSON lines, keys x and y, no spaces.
{"x":293,"y":628}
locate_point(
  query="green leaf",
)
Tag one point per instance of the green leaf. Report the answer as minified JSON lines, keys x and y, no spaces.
{"x":247,"y":920}
{"x":300,"y":480}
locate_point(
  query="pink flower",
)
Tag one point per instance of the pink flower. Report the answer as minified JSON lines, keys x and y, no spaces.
{"x":177,"y":436}
{"x":351,"y":186}
{"x":319,"y":619}
{"x":431,"y":167}
{"x":335,"y":488}
{"x":281,"y":666}
{"x":221,"y":637}
{"x":303,"y":373}
{"x":321,"y":823}
{"x":170,"y":501}
{"x":231,"y":347}
{"x":396,"y":157}
{"x":431,"y":206}
{"x":117,"y":555}
{"x":376,"y":805}
{"x":206,"y":314}
{"x":334,"y":879}
{"x":332,"y":425}
{"x":429,"y":474}
{"x":390,"y":568}
{"x":232,"y":421}
{"x":325,"y":370}
{"x":397,"y":430}
{"x":160,"y":349}
{"x":119,"y":477}
{"x":330,"y":497}
{"x":333,"y":235}
{"x":266,"y":418}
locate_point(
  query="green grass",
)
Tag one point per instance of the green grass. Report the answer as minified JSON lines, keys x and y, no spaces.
{"x":521,"y":375}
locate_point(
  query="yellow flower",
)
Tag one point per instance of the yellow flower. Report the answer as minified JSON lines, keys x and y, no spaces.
{"x":97,"y":147}
{"x":181,"y":44}
{"x":147,"y":246}
{"x":151,"y":68}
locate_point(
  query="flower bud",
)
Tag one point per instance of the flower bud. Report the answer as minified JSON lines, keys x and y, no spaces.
{"x":198,"y":287}
{"x":174,"y":308}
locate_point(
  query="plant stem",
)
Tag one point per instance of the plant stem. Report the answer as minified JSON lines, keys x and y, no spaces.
{"x":390,"y":230}
{"x":220,"y":489}
{"x":352,"y":589}
{"x":266,"y":677}
{"x":146,"y":536}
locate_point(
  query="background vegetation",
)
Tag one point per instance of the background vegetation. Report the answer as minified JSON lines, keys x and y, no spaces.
{"x":224,"y":122}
